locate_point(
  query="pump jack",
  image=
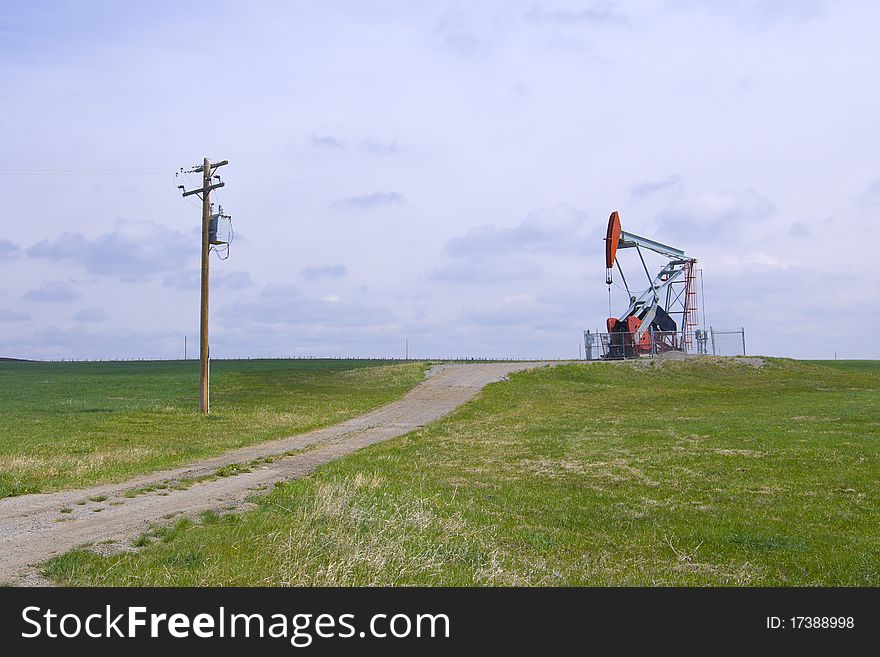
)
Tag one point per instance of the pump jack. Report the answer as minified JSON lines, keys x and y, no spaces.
{"x":647,"y":327}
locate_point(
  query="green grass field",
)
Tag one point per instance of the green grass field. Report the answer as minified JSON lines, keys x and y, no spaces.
{"x":676,"y":473}
{"x":65,"y":425}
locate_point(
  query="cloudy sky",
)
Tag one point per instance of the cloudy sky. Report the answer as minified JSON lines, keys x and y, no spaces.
{"x":440,"y":172}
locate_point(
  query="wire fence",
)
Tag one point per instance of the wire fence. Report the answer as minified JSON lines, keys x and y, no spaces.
{"x":384,"y":359}
{"x":595,"y":346}
{"x":619,"y":345}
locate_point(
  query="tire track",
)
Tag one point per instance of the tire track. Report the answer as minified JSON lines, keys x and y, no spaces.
{"x":33,"y":528}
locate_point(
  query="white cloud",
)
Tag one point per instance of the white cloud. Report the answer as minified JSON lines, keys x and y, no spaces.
{"x":462,"y":271}
{"x":285,"y":305}
{"x":317,"y":272}
{"x":650,"y":188}
{"x":133,"y":250}
{"x":757,"y":260}
{"x":562,"y":230}
{"x":761,"y":13}
{"x":870,"y":198}
{"x":7,"y":315}
{"x":52,"y":292}
{"x":327,"y":141}
{"x":190,"y":279}
{"x":8,"y":250}
{"x":599,"y":14}
{"x":371,"y":201}
{"x":90,"y":315}
{"x":714,"y":215}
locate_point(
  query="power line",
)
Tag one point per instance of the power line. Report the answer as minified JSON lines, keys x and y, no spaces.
{"x":175,"y":182}
{"x":26,"y":170}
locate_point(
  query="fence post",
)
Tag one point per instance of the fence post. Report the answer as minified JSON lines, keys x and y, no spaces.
{"x":588,"y":344}
{"x":743,"y":329}
{"x":712,"y":333}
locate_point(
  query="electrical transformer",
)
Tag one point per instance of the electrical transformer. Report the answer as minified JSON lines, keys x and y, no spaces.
{"x":220,"y":228}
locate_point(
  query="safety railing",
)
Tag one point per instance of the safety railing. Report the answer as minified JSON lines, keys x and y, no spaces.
{"x":619,"y":345}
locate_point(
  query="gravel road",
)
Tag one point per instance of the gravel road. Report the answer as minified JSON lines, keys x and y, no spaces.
{"x":33,"y":528}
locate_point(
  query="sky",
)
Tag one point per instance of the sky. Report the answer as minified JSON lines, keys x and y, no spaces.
{"x":436,"y":172}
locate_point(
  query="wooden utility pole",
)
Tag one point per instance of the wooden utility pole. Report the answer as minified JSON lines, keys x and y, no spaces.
{"x":206,"y":169}
{"x":204,"y":382}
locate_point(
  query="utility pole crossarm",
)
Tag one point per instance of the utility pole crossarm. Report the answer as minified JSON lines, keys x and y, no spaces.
{"x":199,"y":168}
{"x":204,"y":189}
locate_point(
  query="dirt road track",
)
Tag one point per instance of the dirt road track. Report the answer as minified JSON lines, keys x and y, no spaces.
{"x":33,"y":528}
